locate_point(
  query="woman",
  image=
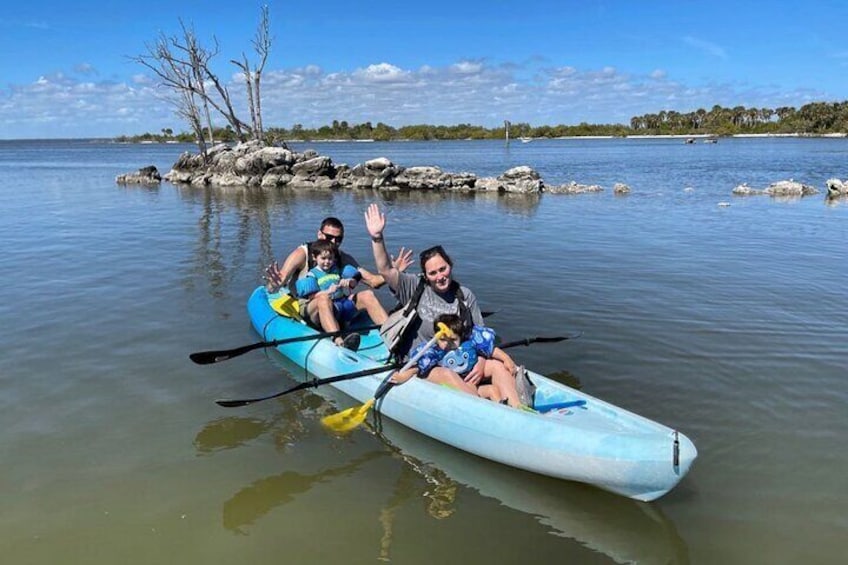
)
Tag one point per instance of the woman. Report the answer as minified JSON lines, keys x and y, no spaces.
{"x":442,"y":295}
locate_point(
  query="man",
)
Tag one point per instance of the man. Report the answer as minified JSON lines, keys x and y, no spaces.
{"x":297,"y":264}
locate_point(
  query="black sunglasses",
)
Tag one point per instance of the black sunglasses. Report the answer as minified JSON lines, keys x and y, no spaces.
{"x":333,"y":238}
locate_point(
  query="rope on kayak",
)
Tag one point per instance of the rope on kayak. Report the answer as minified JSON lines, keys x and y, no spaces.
{"x":265,"y":328}
{"x":676,"y":458}
{"x":306,"y":360}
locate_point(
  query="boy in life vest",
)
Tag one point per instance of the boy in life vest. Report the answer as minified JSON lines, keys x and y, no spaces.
{"x":328,"y":278}
{"x":459,"y":355}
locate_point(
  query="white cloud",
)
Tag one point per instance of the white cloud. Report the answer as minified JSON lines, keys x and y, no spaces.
{"x":705,"y":46}
{"x":381,"y":73}
{"x":463,"y":92}
{"x":467,"y":67}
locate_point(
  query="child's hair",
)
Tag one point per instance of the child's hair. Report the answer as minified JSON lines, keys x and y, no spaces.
{"x":321,"y":246}
{"x":454,"y":324}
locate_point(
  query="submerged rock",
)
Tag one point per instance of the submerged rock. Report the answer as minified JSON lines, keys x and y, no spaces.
{"x":574,"y":188}
{"x":790,"y":188}
{"x":781,"y":188}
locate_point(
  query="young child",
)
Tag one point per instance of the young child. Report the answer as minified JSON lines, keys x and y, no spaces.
{"x":327,"y":278}
{"x":460,"y":354}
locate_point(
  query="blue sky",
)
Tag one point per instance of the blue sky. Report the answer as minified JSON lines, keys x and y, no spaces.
{"x":66,"y":68}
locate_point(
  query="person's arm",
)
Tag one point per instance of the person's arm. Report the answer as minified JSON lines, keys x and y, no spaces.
{"x":401,"y":377}
{"x":375,"y":221}
{"x":372,"y":280}
{"x":500,"y":355}
{"x":277,"y":276}
{"x":401,"y":263}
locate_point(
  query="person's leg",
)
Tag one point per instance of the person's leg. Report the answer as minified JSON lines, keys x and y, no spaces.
{"x":443,"y":376}
{"x":320,"y":312}
{"x":489,"y":392}
{"x":502,"y":380}
{"x":367,"y":300}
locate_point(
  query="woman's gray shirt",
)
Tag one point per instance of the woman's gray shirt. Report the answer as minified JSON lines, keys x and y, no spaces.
{"x":432,"y":304}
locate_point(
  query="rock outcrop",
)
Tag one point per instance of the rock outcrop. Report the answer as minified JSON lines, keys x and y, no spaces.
{"x":253,"y":165}
{"x":574,"y":188}
{"x":783,"y":188}
{"x":145,"y":175}
{"x":836,"y":188}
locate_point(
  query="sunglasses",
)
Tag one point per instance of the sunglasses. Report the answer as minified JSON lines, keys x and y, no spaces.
{"x":332,"y":238}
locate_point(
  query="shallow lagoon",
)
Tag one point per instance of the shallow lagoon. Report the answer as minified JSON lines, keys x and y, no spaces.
{"x":728,"y":323}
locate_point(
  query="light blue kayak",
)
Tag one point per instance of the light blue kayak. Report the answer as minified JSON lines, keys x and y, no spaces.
{"x":584,"y":439}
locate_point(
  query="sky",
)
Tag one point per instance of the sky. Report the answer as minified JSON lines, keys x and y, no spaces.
{"x":66,"y":69}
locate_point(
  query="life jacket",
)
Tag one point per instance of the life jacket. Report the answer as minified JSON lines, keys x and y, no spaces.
{"x":395,"y":331}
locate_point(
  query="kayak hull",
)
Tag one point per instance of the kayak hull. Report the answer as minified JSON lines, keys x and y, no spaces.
{"x":591,"y":441}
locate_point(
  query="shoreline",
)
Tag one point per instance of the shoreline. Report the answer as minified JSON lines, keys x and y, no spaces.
{"x":571,"y":137}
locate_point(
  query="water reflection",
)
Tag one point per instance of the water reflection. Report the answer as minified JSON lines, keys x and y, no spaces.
{"x":624,"y":530}
{"x":833,"y":201}
{"x":231,"y":220}
{"x":293,"y":423}
{"x":290,"y":423}
{"x":260,"y":497}
{"x":522,"y":204}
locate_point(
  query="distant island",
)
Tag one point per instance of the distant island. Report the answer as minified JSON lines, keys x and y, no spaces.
{"x":817,"y":118}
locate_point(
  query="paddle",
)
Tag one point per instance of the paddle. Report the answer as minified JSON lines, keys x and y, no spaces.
{"x":346,"y":420}
{"x":309,"y":384}
{"x":539,"y":339}
{"x":209,"y":357}
{"x":314,"y":383}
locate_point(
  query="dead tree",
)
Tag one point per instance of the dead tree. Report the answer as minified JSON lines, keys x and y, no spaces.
{"x":253,"y":77}
{"x":183,"y":66}
{"x":179,"y":76}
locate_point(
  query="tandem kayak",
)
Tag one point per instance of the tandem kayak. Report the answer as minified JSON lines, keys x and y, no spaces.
{"x":574,"y":436}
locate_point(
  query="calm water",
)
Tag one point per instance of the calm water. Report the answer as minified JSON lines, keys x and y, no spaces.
{"x":728,"y":323}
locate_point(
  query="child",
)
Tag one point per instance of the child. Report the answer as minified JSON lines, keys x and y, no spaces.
{"x":459,"y":355}
{"x":327,"y":279}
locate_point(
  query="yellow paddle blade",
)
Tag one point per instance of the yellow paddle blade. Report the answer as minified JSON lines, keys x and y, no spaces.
{"x":286,"y":305}
{"x":347,"y":420}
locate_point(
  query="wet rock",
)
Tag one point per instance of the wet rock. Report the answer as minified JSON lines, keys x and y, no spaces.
{"x":790,"y":188}
{"x":836,"y":188}
{"x":745,"y":190}
{"x":145,"y":175}
{"x":574,"y":188}
{"x":316,"y":166}
{"x":783,"y":188}
{"x":522,"y":179}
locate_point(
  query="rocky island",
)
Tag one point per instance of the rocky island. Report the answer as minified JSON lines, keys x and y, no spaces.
{"x":253,"y":164}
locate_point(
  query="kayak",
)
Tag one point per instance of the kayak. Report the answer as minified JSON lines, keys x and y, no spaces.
{"x":571,"y":435}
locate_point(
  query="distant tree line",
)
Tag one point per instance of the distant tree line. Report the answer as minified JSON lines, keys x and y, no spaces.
{"x":814,"y":119}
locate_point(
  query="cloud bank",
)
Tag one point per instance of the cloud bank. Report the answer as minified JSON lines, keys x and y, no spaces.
{"x":76,"y":104}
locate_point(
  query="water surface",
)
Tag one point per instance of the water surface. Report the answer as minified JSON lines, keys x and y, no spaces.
{"x":726,"y":322}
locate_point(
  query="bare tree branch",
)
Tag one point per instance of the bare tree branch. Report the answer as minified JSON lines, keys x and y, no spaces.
{"x":182,"y":65}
